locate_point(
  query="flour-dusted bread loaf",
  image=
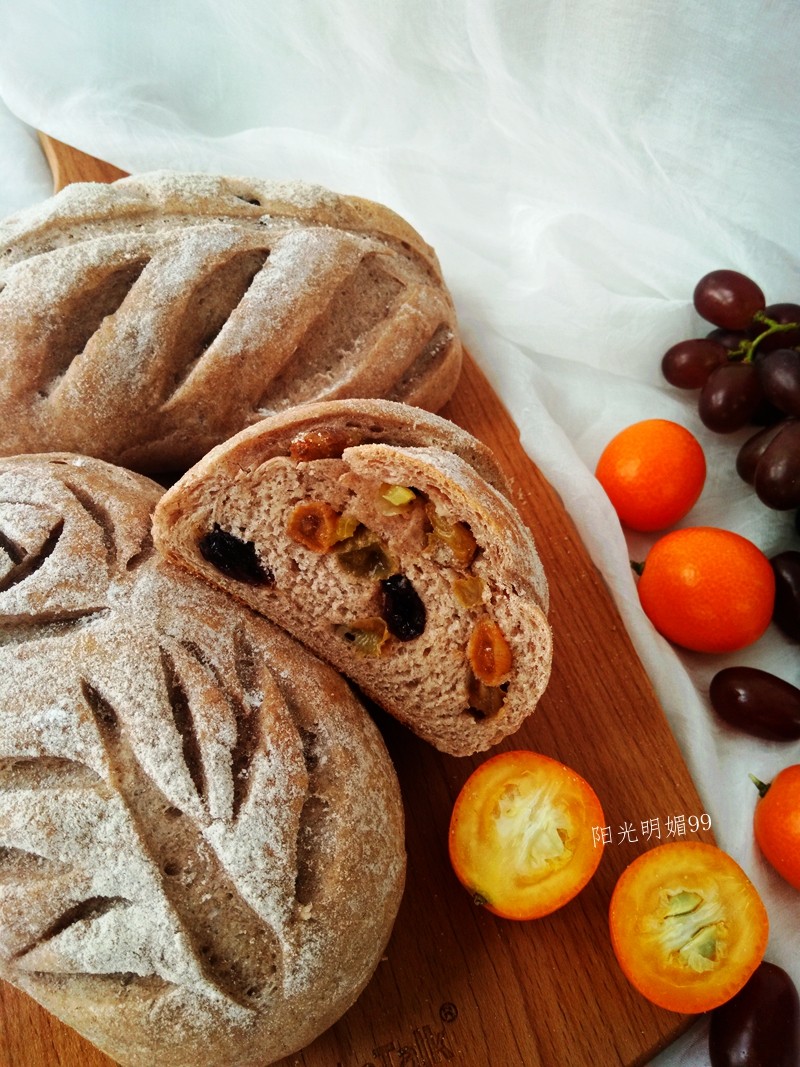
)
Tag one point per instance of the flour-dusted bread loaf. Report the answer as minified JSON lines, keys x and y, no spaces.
{"x":146,"y":320}
{"x":201,"y":833}
{"x":382,"y":537}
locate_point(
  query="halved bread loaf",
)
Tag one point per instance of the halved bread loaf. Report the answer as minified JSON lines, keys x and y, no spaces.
{"x":201,"y":833}
{"x":147,"y":320}
{"x":382,"y":537}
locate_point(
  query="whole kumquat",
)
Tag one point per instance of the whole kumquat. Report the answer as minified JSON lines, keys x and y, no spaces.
{"x":707,"y":589}
{"x":653,"y":472}
{"x":776,"y":823}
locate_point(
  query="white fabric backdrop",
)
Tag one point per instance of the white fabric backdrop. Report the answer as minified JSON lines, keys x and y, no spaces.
{"x":577,"y":167}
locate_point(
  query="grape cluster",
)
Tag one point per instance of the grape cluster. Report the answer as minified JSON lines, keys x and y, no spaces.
{"x":747,"y":371}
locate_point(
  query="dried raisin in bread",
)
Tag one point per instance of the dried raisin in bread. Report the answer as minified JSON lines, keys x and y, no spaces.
{"x":201,"y":833}
{"x":146,"y":320}
{"x":383,"y":537}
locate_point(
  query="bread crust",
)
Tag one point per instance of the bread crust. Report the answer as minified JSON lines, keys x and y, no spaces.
{"x":201,"y":830}
{"x":339,"y":454}
{"x":147,"y":320}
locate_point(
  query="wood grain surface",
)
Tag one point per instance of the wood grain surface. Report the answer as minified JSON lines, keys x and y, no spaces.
{"x":68,"y":165}
{"x":457,"y":985}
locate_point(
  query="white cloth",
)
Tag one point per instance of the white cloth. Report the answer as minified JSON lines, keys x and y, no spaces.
{"x":577,"y":168}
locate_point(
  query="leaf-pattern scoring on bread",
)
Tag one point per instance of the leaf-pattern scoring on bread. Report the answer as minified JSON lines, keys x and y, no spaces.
{"x":147,"y":320}
{"x":200,"y":831}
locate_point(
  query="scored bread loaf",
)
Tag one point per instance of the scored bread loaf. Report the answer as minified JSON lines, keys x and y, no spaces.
{"x":383,"y":537}
{"x":147,"y":320}
{"x":201,"y":833}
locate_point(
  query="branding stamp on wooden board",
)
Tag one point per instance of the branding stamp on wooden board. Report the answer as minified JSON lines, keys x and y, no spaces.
{"x":427,"y":1046}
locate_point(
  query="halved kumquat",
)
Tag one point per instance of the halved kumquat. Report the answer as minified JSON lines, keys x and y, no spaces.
{"x":687,"y":926}
{"x":522,"y":834}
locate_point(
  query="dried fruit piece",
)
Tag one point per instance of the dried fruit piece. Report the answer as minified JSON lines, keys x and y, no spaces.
{"x":468,"y":591}
{"x":234,"y":557}
{"x":318,"y":526}
{"x":365,"y":557}
{"x":489,"y":652}
{"x":367,"y":636}
{"x":403,"y":609}
{"x":455,"y":536}
{"x":395,"y":499}
{"x":485,"y":700}
{"x":319,"y":444}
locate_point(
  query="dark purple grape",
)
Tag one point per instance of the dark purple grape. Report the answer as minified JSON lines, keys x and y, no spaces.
{"x":784,"y":315}
{"x":730,"y":397}
{"x":234,"y":557}
{"x":760,"y":1025}
{"x":729,"y":339}
{"x":757,"y":702}
{"x":403,"y":610}
{"x":752,"y":451}
{"x":777,"y":474}
{"x":767,"y":414}
{"x":688,"y":364}
{"x":728,"y":299}
{"x":786,"y":613}
{"x":779,"y":375}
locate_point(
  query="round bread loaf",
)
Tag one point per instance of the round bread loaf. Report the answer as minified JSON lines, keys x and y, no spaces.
{"x":385,"y":539}
{"x":201,"y":833}
{"x":147,"y":320}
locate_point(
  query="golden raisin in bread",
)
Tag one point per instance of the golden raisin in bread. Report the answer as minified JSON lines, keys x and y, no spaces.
{"x":383,"y":537}
{"x":147,"y":320}
{"x":202,"y":835}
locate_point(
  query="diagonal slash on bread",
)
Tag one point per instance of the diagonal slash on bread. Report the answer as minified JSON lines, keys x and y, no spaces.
{"x":147,"y":320}
{"x":201,"y":833}
{"x":383,"y":538}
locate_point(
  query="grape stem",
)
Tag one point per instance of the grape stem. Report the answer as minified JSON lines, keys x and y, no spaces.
{"x":762,"y":787}
{"x":745,"y":351}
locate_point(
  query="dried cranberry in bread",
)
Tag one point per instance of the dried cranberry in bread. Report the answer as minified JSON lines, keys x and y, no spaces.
{"x":383,"y":537}
{"x":146,"y":320}
{"x":201,"y":833}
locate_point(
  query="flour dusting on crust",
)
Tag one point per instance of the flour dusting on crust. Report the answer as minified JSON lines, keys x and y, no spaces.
{"x":145,"y":321}
{"x":201,"y":836}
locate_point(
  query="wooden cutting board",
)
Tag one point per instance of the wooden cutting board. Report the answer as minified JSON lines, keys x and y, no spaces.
{"x":457,"y":985}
